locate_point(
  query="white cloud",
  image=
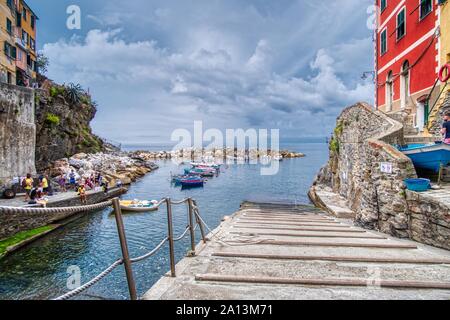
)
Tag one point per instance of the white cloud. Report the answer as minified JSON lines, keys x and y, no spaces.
{"x":147,"y":90}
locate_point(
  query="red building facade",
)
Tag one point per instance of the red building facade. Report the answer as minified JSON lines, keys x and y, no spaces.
{"x":407,"y":56}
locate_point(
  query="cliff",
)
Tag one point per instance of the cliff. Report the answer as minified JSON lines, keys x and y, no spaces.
{"x":63,"y":116}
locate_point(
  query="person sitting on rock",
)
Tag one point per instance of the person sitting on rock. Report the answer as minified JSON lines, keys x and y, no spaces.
{"x":82,"y":194}
{"x":445,"y":131}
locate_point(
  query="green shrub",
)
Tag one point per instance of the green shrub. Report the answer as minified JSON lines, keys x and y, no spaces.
{"x":334,"y":145}
{"x":52,"y":119}
{"x":56,"y":91}
{"x":339,"y":129}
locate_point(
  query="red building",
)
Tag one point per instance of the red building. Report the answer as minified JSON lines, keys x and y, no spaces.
{"x":407,"y":56}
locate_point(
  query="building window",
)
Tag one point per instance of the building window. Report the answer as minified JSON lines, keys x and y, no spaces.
{"x":10,"y":3}
{"x":25,"y":37}
{"x":33,"y":21}
{"x":9,"y":26}
{"x":24,"y":14}
{"x":426,"y":6}
{"x":10,"y":51}
{"x":401,"y":24}
{"x":383,"y":42}
{"x":32,"y":44}
{"x":404,"y":85}
{"x":389,"y":91}
{"x":383,"y":5}
{"x":18,"y":19}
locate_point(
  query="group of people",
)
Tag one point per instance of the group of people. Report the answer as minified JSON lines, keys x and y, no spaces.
{"x":38,"y":192}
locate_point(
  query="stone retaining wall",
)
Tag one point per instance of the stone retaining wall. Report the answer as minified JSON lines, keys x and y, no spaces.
{"x":17,"y":132}
{"x":429,"y":220}
{"x":11,"y":224}
{"x":361,"y":143}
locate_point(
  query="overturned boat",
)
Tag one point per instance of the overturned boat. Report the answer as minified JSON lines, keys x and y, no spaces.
{"x":431,"y":156}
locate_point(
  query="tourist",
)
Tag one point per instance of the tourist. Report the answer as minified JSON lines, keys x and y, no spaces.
{"x":72,"y":179}
{"x":62,"y":182}
{"x":446,"y":128}
{"x":82,"y":194}
{"x":119,"y":183}
{"x":89,"y":183}
{"x":45,"y":186}
{"x":98,"y":179}
{"x":27,"y":184}
{"x":104,"y":186}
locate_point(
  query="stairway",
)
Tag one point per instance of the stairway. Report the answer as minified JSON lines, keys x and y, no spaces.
{"x":289,"y":252}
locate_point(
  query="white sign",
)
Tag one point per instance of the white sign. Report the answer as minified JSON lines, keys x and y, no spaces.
{"x":386,"y":167}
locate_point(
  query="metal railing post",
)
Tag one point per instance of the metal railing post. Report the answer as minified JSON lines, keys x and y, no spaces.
{"x":200,"y":224}
{"x":170,"y":236}
{"x":124,"y":246}
{"x":191,"y":225}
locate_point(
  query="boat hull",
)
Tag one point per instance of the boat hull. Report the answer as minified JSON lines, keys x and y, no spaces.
{"x":429,"y":157}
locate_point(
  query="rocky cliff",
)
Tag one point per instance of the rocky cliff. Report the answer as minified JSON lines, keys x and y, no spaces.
{"x":63,"y":116}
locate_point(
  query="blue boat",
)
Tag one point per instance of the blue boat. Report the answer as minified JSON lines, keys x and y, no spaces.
{"x":428,"y":156}
{"x":192,"y":182}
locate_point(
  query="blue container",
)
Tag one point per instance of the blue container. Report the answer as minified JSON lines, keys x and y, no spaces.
{"x":418,"y":185}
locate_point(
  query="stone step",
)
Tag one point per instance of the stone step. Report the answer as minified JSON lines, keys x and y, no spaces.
{"x":413,"y":139}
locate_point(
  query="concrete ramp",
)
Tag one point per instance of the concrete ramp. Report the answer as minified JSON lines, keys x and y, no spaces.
{"x":285,"y":251}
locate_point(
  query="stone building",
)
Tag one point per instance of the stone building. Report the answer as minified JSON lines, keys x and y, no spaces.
{"x":366,"y":171}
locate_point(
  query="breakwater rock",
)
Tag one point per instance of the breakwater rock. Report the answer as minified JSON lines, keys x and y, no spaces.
{"x":215,"y":154}
{"x":113,"y":167}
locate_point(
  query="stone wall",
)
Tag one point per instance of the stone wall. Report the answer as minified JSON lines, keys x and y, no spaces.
{"x":429,"y":220}
{"x":361,"y":143}
{"x":11,"y":224}
{"x":17,"y":132}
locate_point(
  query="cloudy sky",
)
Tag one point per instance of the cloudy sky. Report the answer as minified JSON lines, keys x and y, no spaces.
{"x":156,"y":66}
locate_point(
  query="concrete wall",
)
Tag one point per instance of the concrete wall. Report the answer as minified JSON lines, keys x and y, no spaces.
{"x":17,"y":131}
{"x":11,"y":224}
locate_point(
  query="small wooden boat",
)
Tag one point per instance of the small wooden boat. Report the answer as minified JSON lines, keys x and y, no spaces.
{"x":201,"y":172}
{"x":428,"y":156}
{"x":137,"y":206}
{"x":192,"y":183}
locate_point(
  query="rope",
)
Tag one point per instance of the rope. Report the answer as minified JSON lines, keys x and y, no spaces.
{"x":151,"y":253}
{"x":183,"y":235}
{"x":89,"y":284}
{"x":93,"y":207}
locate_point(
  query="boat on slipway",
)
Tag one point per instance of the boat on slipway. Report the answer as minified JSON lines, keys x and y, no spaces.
{"x":431,"y":156}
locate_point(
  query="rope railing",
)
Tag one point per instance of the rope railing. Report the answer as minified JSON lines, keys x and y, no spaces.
{"x":89,"y":284}
{"x":30,"y":210}
{"x":193,"y":214}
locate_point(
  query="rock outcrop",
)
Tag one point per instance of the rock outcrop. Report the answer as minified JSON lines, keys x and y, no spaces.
{"x":113,"y":167}
{"x":63,"y":124}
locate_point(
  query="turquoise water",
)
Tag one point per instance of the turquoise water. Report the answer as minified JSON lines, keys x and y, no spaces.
{"x":39,"y":271}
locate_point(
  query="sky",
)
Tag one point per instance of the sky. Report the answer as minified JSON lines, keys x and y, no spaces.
{"x":157,"y":66}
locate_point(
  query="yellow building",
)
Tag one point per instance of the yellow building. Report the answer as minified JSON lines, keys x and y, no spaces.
{"x":26,"y":43}
{"x":18,"y":40}
{"x":439,"y":103}
{"x":7,"y":39}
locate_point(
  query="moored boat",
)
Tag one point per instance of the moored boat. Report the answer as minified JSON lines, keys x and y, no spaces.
{"x":428,"y":156}
{"x":138,"y":206}
{"x":192,"y":182}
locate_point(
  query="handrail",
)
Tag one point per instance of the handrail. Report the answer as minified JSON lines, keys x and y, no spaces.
{"x":437,"y":99}
{"x":127,"y":261}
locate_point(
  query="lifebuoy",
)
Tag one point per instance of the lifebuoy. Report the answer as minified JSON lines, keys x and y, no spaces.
{"x":444,"y":68}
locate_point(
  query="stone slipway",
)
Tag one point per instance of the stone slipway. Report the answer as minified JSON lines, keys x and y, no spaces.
{"x":268,"y":251}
